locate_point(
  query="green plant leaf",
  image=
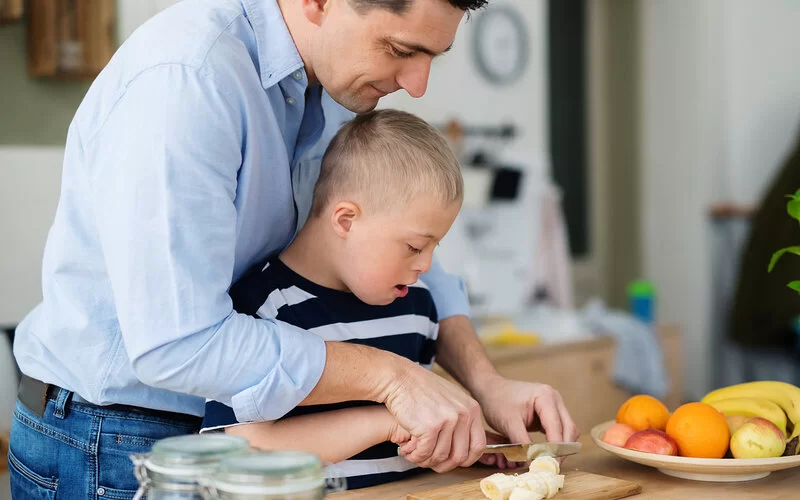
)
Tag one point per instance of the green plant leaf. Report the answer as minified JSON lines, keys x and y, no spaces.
{"x":795,"y":285}
{"x":793,"y":207}
{"x":777,"y":255}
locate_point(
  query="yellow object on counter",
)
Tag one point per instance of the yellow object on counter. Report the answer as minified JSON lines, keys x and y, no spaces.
{"x":507,"y":334}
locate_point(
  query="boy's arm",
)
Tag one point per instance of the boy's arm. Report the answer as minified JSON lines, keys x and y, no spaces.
{"x":333,"y":435}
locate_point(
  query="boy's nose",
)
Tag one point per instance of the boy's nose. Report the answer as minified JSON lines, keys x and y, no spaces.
{"x":423,"y":264}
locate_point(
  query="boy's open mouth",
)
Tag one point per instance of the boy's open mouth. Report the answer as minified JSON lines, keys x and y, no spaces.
{"x":402,"y":289}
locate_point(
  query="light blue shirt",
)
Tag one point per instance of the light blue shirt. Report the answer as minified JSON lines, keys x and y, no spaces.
{"x":192,"y":157}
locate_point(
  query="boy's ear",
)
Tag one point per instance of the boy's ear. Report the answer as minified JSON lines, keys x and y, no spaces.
{"x":342,"y":218}
{"x":314,"y":10}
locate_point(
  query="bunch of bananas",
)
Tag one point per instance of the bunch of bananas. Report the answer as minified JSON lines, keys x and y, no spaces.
{"x":778,"y":402}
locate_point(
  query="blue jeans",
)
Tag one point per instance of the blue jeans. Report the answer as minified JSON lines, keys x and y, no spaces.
{"x":80,"y":451}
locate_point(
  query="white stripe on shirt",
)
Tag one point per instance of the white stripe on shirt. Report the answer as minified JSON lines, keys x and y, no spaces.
{"x":282,"y":297}
{"x":351,"y":468}
{"x":375,"y":328}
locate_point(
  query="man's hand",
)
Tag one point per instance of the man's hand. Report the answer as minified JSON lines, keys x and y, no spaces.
{"x":514,"y":408}
{"x":444,"y":422}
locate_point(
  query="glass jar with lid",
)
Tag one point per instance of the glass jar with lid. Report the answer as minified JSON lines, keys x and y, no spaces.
{"x":175,"y":467}
{"x":269,"y":475}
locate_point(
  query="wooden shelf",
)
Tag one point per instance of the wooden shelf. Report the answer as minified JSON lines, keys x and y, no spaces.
{"x":70,"y":39}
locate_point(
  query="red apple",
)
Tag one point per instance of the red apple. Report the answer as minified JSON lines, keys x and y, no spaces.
{"x":652,"y":441}
{"x":758,"y":438}
{"x":618,"y":434}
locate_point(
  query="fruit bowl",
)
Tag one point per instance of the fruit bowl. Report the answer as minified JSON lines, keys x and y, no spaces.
{"x":698,"y":469}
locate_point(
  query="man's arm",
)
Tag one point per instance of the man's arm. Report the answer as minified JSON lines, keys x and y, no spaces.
{"x":458,"y":349}
{"x":460,"y":352}
{"x":333,"y":435}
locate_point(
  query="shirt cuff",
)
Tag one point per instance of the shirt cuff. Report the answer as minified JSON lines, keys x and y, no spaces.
{"x":302,"y":360}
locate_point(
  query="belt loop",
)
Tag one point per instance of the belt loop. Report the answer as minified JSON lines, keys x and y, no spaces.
{"x":61,"y":403}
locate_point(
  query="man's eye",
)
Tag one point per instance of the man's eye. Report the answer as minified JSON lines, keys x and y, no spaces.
{"x":400,"y":53}
{"x":414,"y":249}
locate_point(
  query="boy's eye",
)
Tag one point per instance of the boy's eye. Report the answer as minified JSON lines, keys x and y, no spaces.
{"x":400,"y":53}
{"x":414,"y":249}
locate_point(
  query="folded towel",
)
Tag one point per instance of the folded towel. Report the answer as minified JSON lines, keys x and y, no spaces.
{"x":639,"y":361}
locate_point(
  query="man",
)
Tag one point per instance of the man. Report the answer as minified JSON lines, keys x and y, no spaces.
{"x":193,"y":156}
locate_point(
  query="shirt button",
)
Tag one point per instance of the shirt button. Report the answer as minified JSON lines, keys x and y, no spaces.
{"x":297,"y":75}
{"x":290,"y":101}
{"x":101,"y":491}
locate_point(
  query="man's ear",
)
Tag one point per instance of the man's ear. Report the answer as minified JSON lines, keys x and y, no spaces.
{"x":342,"y":218}
{"x":315,"y":10}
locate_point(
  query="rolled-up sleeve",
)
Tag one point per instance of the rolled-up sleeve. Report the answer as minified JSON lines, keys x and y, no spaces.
{"x":163,"y":176}
{"x":448,"y":291}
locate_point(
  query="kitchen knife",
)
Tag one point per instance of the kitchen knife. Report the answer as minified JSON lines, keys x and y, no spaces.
{"x":527,"y":452}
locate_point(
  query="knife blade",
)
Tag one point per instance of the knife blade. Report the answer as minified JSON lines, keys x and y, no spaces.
{"x":527,"y":452}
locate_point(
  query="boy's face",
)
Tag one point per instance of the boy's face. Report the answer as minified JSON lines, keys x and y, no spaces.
{"x":388,"y":250}
{"x":361,"y":58}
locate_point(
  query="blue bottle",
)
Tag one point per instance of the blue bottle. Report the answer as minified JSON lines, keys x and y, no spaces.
{"x":641,"y":300}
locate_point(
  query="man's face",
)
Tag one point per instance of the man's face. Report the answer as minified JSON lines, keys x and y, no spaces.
{"x":363,"y":57}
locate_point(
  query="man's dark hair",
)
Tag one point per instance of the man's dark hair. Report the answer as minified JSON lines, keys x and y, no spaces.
{"x":400,"y":6}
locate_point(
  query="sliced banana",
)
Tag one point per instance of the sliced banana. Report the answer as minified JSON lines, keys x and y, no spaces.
{"x":548,"y":463}
{"x":498,"y":486}
{"x":524,"y":494}
{"x":552,"y":485}
{"x":535,"y":481}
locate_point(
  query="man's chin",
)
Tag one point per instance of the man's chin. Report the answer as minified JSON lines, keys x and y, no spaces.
{"x":357,"y":104}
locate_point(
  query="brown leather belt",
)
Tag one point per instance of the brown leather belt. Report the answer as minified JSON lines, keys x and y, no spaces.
{"x":35,"y":393}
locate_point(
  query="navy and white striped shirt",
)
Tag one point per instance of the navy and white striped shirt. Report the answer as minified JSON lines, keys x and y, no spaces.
{"x":407,"y":327}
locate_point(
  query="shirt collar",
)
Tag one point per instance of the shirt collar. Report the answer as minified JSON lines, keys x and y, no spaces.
{"x":277,"y":53}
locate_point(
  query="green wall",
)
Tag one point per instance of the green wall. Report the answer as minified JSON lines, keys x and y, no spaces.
{"x":32,"y":111}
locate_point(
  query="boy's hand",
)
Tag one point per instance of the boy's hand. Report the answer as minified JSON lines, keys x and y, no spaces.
{"x":397,"y":434}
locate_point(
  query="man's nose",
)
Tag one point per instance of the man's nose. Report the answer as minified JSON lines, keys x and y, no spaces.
{"x":414,"y":76}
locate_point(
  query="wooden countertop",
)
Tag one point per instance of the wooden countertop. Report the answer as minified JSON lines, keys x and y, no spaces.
{"x":783,"y":485}
{"x":499,"y":354}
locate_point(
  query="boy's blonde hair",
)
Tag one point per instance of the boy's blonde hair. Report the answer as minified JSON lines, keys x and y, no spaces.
{"x":383,"y":159}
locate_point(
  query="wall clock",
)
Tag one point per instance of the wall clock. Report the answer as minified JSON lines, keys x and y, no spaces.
{"x":500,"y":44}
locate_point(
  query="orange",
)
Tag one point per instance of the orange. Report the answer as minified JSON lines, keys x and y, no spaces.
{"x":700,"y":430}
{"x":643,"y":412}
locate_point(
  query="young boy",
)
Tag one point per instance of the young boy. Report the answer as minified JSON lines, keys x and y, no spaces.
{"x":388,"y":190}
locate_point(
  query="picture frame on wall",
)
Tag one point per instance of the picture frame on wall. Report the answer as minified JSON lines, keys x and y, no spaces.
{"x":11,"y":11}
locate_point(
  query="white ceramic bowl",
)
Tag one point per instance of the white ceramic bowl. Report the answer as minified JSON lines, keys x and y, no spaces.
{"x":698,"y":469}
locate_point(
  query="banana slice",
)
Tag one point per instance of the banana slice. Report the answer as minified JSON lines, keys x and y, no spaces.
{"x":547,"y":463}
{"x":524,"y":494}
{"x":498,"y":486}
{"x":542,"y":481}
{"x":536,"y":481}
{"x":536,"y":484}
{"x":552,"y":485}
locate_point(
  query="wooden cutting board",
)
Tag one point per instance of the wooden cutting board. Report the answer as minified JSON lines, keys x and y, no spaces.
{"x":578,"y":485}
